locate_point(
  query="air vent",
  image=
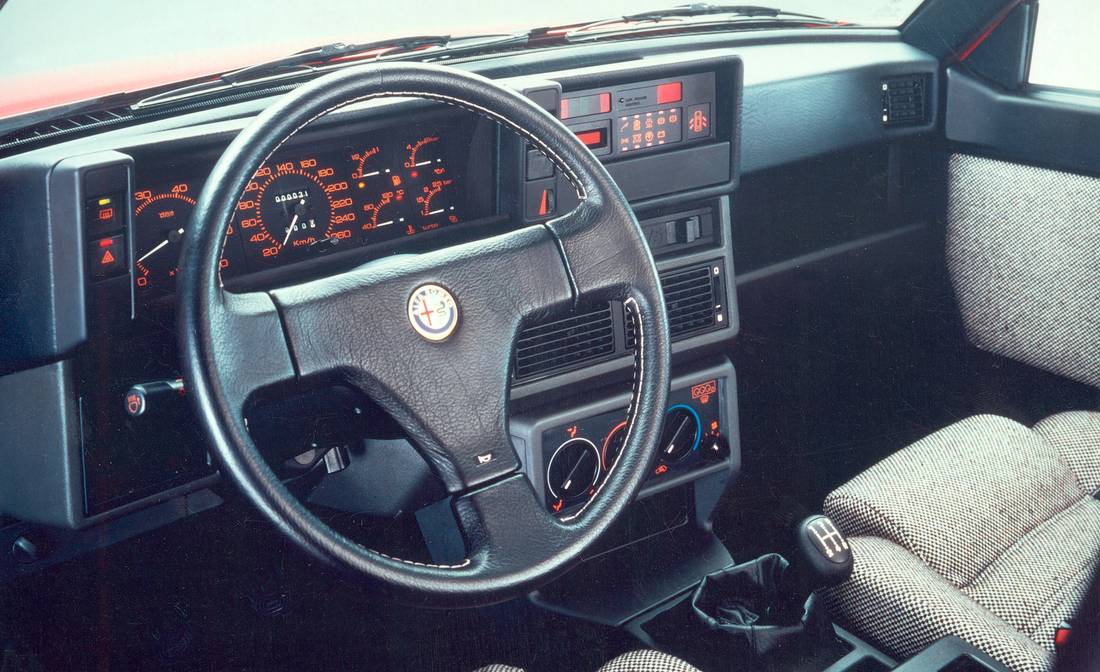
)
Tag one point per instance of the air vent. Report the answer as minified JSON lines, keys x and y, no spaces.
{"x":905,"y":100}
{"x":57,"y":128}
{"x":694,"y":299}
{"x":553,"y":347}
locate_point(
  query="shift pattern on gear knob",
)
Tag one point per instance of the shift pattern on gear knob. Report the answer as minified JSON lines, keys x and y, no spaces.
{"x":824,"y":555}
{"x":828,"y":539}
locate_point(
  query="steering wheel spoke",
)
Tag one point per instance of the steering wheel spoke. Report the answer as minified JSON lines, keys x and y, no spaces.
{"x":602,"y":260}
{"x":508,"y":531}
{"x":248,"y":346}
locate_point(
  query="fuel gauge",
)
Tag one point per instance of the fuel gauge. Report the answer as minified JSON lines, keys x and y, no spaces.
{"x":381,"y":191}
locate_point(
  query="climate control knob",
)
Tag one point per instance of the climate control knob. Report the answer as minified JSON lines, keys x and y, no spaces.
{"x":572,"y":472}
{"x":681,"y":435}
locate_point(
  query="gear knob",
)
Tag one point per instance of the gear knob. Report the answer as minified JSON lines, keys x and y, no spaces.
{"x":825,"y":556}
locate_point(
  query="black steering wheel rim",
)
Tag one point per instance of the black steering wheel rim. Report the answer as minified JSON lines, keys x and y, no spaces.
{"x":311,"y":331}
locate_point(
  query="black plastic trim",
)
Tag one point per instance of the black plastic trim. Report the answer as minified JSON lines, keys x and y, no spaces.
{"x":1038,"y":127}
{"x":946,"y":654}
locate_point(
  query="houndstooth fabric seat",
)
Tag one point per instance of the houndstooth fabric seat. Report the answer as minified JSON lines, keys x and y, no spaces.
{"x":987,"y":530}
{"x":646,"y":660}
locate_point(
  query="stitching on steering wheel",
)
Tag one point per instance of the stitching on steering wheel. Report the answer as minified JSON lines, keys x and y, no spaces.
{"x":629,"y":303}
{"x":635,"y":314}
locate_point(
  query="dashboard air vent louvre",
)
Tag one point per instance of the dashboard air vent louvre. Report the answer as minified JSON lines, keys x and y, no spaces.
{"x":905,"y":100}
{"x":566,"y":343}
{"x":62,"y":126}
{"x":692,"y":300}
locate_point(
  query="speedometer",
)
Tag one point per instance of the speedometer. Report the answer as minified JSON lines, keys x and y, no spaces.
{"x":291,"y":211}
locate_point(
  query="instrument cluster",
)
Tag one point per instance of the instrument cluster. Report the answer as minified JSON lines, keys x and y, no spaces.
{"x":315,"y":199}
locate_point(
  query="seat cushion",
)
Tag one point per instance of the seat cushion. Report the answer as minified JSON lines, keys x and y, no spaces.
{"x":647,"y":661}
{"x":896,"y":602}
{"x":986,"y":529}
{"x":644,"y":660}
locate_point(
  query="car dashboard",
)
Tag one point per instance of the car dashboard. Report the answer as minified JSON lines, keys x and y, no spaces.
{"x":120,"y":448}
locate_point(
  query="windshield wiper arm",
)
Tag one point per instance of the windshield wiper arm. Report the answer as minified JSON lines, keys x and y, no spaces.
{"x":309,"y":61}
{"x":722,"y":15}
{"x":707,"y":9}
{"x":328,"y":53}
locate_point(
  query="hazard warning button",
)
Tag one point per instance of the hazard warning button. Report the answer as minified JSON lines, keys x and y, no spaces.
{"x":107,"y":257}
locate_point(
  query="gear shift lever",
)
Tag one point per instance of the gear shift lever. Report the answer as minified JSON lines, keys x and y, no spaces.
{"x":824,"y":557}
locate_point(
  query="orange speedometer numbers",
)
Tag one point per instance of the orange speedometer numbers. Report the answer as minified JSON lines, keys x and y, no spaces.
{"x":292,"y":207}
{"x":299,"y":205}
{"x":160,"y":221}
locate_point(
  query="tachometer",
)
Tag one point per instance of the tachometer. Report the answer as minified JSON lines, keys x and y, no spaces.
{"x":160,"y":220}
{"x":290,"y":210}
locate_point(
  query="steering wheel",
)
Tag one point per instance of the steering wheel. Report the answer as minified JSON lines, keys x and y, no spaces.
{"x":446,"y":386}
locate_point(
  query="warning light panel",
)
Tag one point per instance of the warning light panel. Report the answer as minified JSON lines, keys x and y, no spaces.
{"x":645,"y":116}
{"x":650,"y":129}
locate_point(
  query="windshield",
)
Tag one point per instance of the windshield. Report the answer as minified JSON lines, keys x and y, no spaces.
{"x":54,"y":52}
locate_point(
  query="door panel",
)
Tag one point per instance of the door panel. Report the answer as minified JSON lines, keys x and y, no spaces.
{"x":1023,"y":249}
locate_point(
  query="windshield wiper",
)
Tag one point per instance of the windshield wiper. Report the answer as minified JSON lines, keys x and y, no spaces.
{"x":327,"y":53}
{"x":308,"y":61}
{"x":712,"y":16}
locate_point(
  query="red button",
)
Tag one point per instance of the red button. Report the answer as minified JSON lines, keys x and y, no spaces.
{"x":107,"y":257}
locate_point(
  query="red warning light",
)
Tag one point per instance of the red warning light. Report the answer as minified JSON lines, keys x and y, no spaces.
{"x":571,"y":431}
{"x":556,"y":506}
{"x":106,"y":214}
{"x":698,"y":122}
{"x":661,"y":468}
{"x":670,"y":92}
{"x":107,"y":259}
